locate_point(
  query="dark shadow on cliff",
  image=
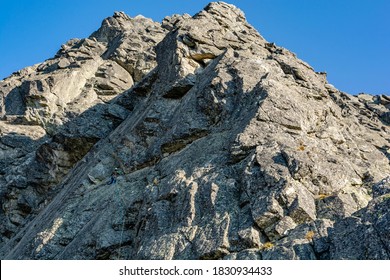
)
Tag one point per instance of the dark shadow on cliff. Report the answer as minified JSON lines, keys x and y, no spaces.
{"x":35,"y":167}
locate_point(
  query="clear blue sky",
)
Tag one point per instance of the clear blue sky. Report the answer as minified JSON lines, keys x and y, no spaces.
{"x":349,"y":39}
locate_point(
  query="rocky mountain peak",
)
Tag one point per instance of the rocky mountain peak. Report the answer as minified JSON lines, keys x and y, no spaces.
{"x":190,"y":139}
{"x":224,"y":10}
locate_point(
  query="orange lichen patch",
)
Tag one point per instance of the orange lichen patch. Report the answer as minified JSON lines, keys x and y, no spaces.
{"x":301,"y":148}
{"x":309,"y":235}
{"x":267,"y":246}
{"x":322,"y":196}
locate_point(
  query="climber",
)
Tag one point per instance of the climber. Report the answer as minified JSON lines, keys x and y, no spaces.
{"x":114,"y":175}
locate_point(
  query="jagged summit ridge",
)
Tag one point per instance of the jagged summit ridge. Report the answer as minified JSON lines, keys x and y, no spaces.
{"x":191,"y":139}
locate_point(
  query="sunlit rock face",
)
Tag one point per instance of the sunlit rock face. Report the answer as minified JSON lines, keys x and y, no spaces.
{"x":190,"y":139}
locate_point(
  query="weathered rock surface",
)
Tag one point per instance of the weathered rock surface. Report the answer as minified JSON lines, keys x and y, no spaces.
{"x":54,"y":112}
{"x":227,"y":146}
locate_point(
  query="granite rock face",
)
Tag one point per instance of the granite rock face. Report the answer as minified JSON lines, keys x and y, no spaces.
{"x":54,"y":112}
{"x":191,"y":139}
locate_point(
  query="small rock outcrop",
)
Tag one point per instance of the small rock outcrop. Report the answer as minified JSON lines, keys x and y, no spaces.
{"x":190,"y":139}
